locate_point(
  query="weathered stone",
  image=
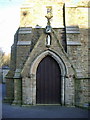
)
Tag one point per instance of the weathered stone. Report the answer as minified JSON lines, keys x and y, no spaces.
{"x":69,"y":47}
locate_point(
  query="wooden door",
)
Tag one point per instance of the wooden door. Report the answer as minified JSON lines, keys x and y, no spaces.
{"x":48,"y":82}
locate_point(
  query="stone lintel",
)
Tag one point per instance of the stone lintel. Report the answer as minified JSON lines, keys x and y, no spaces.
{"x":72,"y":32}
{"x":73,"y":43}
{"x":24,"y":30}
{"x":72,"y":29}
{"x":23,"y":43}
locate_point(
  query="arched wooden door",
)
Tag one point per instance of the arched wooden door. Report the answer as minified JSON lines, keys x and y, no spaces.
{"x":48,"y":82}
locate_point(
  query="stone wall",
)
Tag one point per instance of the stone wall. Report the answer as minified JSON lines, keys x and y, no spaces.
{"x":27,"y":38}
{"x":35,"y":12}
{"x":82,"y":14}
{"x":29,"y":73}
{"x":69,"y":44}
{"x":82,"y":97}
{"x":77,"y":48}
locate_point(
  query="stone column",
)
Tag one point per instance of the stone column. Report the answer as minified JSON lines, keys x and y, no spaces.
{"x":17,"y":88}
{"x":17,"y":91}
{"x":63,"y":90}
{"x":69,"y":89}
{"x":33,"y":79}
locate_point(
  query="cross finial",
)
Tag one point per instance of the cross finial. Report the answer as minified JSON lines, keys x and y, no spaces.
{"x":48,"y":16}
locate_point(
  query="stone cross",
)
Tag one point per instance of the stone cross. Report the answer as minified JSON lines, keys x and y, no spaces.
{"x":48,"y":16}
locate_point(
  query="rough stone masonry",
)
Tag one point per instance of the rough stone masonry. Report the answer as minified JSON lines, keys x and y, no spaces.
{"x":69,"y":47}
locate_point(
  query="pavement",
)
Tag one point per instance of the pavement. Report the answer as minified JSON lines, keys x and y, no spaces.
{"x":41,"y":111}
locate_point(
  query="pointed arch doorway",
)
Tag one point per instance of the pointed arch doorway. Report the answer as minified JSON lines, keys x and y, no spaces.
{"x":48,"y":82}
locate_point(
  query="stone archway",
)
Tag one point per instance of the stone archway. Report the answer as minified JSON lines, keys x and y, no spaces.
{"x":34,"y":69}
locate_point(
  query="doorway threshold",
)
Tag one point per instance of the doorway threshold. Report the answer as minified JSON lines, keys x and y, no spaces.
{"x":48,"y":104}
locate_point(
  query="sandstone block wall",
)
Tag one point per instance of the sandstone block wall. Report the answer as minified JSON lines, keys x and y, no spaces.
{"x":70,"y":41}
{"x":77,"y":47}
{"x":37,"y":10}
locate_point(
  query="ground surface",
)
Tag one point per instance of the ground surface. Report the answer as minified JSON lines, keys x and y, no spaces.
{"x":43,"y":112}
{"x":9,"y":111}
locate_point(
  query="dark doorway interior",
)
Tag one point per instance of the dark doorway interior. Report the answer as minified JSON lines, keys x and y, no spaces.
{"x":48,"y":82}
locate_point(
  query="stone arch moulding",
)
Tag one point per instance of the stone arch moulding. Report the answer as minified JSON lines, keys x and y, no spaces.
{"x":34,"y":69}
